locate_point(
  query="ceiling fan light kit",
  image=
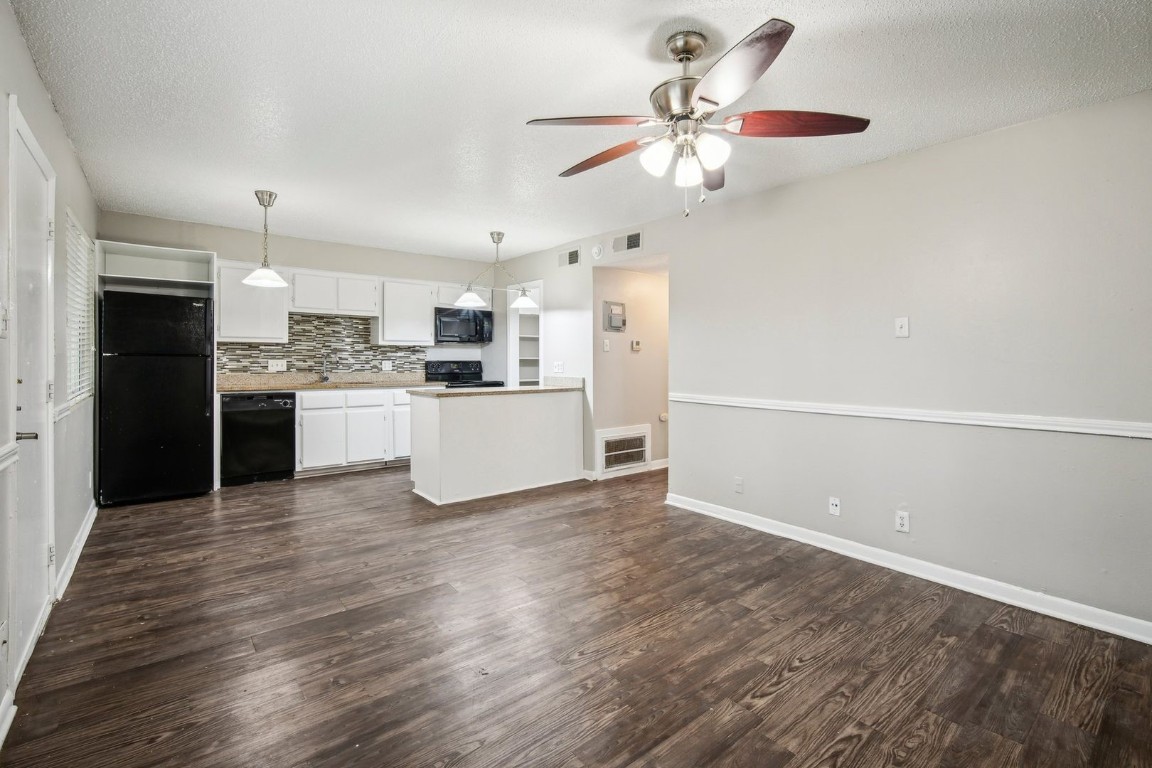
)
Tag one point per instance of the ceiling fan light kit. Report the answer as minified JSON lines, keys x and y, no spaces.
{"x":683,"y":106}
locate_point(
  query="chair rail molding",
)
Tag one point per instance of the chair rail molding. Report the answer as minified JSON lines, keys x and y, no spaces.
{"x":1133,"y":429}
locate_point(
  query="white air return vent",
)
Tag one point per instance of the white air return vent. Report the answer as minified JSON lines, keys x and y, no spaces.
{"x":570,"y":258}
{"x":627,"y":243}
{"x":623,"y":450}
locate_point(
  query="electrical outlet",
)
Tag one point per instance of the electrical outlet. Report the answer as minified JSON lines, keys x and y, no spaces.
{"x":277,"y":366}
{"x":385,"y":365}
{"x":902,"y":520}
{"x":558,"y":366}
{"x":901,"y":327}
{"x":834,"y":506}
{"x":738,"y":486}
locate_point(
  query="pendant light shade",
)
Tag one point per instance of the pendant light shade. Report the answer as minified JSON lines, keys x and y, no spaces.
{"x":469,"y":299}
{"x":657,"y":156}
{"x":688,"y":171}
{"x":264,"y":276}
{"x":713,"y":151}
{"x":524,"y":301}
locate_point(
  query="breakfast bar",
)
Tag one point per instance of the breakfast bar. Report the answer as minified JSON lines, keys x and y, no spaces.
{"x":478,"y":442}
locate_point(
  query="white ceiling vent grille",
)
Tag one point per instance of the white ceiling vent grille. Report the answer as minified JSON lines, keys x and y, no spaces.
{"x":623,"y":448}
{"x":627,"y":243}
{"x":570,"y":258}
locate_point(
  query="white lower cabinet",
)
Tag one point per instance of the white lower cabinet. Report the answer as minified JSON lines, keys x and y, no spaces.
{"x":323,"y":435}
{"x":402,"y":431}
{"x":369,"y":436}
{"x":342,"y":427}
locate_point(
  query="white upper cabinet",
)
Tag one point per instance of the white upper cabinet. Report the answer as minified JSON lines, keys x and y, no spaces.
{"x":332,"y":294}
{"x":446,"y":295}
{"x":314,"y":293}
{"x":407,"y":316}
{"x":247,"y":313}
{"x":358,"y":295}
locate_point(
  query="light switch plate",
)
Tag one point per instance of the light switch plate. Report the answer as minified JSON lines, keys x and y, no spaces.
{"x":558,"y":366}
{"x":636,"y":345}
{"x":277,"y":366}
{"x":901,"y":327}
{"x":607,"y":345}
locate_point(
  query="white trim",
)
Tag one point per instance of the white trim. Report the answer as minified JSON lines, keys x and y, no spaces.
{"x":65,"y":569}
{"x":9,"y":454}
{"x":1078,"y":613}
{"x":1137,"y":429}
{"x":19,"y":665}
{"x":500,"y":493}
{"x":67,"y":408}
{"x":7,"y":713}
{"x":649,"y":467}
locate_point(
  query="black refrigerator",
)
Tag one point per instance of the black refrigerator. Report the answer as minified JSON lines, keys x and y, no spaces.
{"x":154,"y":406}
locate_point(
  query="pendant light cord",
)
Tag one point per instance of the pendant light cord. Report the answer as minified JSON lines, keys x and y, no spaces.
{"x":265,"y":264}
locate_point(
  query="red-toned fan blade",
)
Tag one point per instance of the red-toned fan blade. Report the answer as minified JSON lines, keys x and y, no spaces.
{"x":607,"y":156}
{"x":714,"y":180}
{"x":598,"y":120}
{"x":783,"y":123}
{"x":737,"y":71}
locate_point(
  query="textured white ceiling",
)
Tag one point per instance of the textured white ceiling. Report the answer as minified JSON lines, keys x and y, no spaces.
{"x":401,"y":124}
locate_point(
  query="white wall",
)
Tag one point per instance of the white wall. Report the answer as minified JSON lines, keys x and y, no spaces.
{"x":632,"y":387}
{"x":1023,"y":258}
{"x":73,"y":434}
{"x":566,"y":322}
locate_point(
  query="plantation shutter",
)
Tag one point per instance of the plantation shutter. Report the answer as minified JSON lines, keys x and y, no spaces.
{"x":80,"y":311}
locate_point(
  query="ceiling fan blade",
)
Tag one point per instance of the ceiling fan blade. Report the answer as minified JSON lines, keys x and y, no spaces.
{"x":714,"y":180}
{"x":597,"y":120}
{"x":744,"y":64}
{"x":607,"y":156}
{"x":783,"y":123}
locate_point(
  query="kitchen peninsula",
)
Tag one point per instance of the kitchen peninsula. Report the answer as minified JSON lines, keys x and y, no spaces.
{"x":477,"y":442}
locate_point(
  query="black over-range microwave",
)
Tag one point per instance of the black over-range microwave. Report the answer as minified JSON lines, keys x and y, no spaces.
{"x":463,"y":326}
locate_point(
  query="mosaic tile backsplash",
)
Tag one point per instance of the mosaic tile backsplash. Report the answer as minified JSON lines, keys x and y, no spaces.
{"x":345,"y":339}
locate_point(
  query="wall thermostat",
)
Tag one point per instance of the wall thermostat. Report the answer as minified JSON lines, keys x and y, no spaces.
{"x":615,"y":318}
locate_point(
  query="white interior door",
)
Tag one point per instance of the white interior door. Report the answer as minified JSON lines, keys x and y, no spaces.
{"x":32,"y":201}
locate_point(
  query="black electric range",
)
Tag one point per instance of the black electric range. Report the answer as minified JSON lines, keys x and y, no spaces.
{"x":458,"y":373}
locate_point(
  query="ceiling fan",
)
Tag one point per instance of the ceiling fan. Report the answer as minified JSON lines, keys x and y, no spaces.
{"x":684,"y":105}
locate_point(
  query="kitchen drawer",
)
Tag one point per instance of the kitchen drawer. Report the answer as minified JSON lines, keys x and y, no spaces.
{"x":325,"y":399}
{"x":359,"y":398}
{"x":402,"y":397}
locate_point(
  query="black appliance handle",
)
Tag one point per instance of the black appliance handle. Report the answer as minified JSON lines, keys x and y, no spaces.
{"x":211,"y":384}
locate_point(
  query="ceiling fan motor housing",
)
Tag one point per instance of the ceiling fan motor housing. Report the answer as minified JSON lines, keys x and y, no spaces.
{"x":673,"y":97}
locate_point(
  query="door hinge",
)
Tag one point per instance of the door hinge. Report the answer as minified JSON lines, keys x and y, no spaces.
{"x":51,"y":390}
{"x":51,"y":554}
{"x":51,"y":229}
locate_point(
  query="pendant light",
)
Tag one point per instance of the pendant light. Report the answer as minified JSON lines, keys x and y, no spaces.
{"x":265,"y":276}
{"x":470,"y":299}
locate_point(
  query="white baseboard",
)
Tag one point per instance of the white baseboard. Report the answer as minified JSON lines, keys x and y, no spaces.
{"x":517,"y":489}
{"x":19,"y":665}
{"x":1060,"y":608}
{"x":649,"y":467}
{"x":7,"y":714}
{"x":64,"y":572}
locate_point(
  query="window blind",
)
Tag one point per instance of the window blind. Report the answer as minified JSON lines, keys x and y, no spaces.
{"x":80,"y":311}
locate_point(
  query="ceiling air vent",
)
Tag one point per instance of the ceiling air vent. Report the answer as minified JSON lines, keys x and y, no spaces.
{"x":569,"y":258}
{"x":626,"y":243}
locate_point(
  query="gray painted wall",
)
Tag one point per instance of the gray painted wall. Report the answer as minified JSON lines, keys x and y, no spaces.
{"x":1023,"y":258}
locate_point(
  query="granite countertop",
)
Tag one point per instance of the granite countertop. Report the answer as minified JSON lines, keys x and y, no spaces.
{"x":487,"y":391}
{"x":295,"y":382}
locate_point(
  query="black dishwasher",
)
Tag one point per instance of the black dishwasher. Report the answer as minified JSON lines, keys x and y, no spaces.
{"x":257,"y":437}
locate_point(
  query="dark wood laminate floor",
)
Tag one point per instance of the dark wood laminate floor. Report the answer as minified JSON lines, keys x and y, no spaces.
{"x":343,"y":621}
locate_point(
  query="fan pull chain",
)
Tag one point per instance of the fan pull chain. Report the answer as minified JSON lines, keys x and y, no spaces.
{"x":686,"y":211}
{"x":702,"y":197}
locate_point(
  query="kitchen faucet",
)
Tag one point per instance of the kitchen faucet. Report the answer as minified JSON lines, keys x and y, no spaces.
{"x":324,"y":378}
